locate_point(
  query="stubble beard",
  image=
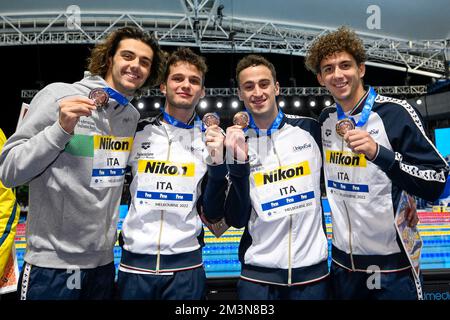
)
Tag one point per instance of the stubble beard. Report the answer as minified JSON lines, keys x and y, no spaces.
{"x":182,"y":106}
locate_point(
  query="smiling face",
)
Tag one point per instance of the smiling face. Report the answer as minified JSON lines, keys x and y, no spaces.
{"x":130,"y":66}
{"x":342,"y":76}
{"x":257,"y":89}
{"x":183,"y":88}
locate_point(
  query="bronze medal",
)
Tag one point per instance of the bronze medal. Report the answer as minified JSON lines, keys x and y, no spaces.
{"x":99,"y":96}
{"x":344,"y":125}
{"x":241,"y":119}
{"x":210,"y":119}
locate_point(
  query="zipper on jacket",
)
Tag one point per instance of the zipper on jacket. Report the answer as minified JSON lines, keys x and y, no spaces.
{"x":349,"y":236}
{"x":290,"y":223}
{"x":158,"y":255}
{"x":290,"y":252}
{"x":158,"y":252}
{"x":103,"y":116}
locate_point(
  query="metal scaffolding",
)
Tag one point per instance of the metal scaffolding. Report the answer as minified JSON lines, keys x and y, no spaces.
{"x":204,"y":27}
{"x":284,"y":91}
{"x":306,"y":91}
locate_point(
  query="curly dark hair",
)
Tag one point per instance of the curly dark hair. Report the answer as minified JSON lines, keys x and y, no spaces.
{"x":343,"y":39}
{"x":100,"y":54}
{"x":253,"y":60}
{"x":186,"y":55}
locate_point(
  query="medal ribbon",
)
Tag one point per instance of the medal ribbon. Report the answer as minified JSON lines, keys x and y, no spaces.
{"x":365,"y":111}
{"x":177,"y":123}
{"x":275,"y":124}
{"x":116,"y":96}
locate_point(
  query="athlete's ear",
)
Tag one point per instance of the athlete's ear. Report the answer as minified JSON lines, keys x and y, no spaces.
{"x":362,"y":70}
{"x":162,"y":88}
{"x":203,"y":92}
{"x":320,"y":80}
{"x":277,"y":88}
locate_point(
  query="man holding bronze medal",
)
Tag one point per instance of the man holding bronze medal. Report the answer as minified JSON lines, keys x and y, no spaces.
{"x":374,"y":148}
{"x":274,"y":163}
{"x":72,"y":149}
{"x":163,"y":232}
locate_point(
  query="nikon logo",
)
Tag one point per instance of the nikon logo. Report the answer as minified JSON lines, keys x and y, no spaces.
{"x":282,"y":174}
{"x":166,"y":168}
{"x":112,"y":143}
{"x":347,"y":159}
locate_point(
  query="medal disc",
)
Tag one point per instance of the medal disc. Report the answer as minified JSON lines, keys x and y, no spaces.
{"x":241,"y":119}
{"x":344,"y":125}
{"x":99,"y":96}
{"x":210,"y":119}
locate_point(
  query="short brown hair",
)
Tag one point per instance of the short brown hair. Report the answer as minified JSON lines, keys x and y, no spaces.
{"x":343,"y":39}
{"x":188,"y":56}
{"x":253,"y":60}
{"x":100,"y":54}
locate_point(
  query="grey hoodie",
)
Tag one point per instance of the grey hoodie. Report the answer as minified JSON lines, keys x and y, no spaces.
{"x":70,"y":223}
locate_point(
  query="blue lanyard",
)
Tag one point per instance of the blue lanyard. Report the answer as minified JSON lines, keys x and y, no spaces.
{"x":365,"y":111}
{"x":116,"y":96}
{"x":177,"y":123}
{"x":273,"y":127}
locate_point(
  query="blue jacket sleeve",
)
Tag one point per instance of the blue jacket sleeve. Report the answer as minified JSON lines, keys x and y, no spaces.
{"x":238,"y":204}
{"x":413,"y":164}
{"x":214,"y":193}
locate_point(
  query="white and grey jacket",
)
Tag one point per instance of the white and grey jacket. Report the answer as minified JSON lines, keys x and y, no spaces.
{"x":71,"y":222}
{"x":163,"y":231}
{"x":276,"y":196}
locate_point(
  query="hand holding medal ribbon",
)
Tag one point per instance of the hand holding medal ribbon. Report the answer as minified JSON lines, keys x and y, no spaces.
{"x":236,"y":140}
{"x":71,"y":109}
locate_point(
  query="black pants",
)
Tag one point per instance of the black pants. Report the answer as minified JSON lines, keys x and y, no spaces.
{"x":318,"y":290}
{"x":349,"y":285}
{"x":181,"y":285}
{"x":36,"y":283}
